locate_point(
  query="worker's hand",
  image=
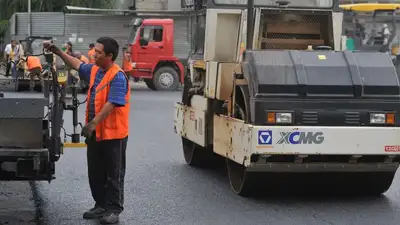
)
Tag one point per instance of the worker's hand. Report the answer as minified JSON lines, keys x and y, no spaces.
{"x":48,"y":46}
{"x":88,"y":130}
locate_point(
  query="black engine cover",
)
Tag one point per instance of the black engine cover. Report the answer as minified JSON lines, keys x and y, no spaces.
{"x":326,"y":74}
{"x":327,"y":84}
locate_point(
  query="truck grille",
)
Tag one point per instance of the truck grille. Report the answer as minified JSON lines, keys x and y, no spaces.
{"x":352,"y":118}
{"x":313,"y":118}
{"x":309,"y":118}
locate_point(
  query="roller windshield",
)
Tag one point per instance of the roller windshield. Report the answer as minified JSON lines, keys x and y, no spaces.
{"x":271,"y":3}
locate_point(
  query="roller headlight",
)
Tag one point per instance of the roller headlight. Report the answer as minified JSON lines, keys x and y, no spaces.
{"x":280,"y":117}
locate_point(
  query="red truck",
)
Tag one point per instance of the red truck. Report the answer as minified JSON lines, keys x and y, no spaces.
{"x":154,"y":55}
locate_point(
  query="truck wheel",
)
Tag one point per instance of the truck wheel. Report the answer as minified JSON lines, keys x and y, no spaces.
{"x":196,"y":155}
{"x":166,"y":79}
{"x":240,"y":180}
{"x":149,"y":83}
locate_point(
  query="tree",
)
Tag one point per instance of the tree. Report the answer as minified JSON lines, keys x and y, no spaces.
{"x":9,"y":7}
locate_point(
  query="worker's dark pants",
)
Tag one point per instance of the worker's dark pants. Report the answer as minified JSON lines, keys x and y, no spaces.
{"x":106,"y":170}
{"x":8,"y":68}
{"x":35,"y":72}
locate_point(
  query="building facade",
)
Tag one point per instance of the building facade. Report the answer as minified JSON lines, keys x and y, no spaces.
{"x":83,"y":29}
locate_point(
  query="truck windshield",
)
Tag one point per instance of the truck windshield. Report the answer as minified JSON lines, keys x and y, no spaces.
{"x":292,"y":3}
{"x":133,"y":35}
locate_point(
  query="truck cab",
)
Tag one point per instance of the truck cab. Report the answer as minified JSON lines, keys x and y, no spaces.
{"x":153,"y":56}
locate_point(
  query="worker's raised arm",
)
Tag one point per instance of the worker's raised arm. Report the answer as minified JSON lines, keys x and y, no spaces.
{"x":71,"y":61}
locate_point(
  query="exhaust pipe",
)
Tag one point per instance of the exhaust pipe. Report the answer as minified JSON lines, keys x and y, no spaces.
{"x":250,"y":24}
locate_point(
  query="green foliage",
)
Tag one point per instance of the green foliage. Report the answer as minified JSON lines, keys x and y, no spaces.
{"x":9,"y":7}
{"x":3,"y":27}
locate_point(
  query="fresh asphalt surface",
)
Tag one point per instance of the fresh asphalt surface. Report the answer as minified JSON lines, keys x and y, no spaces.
{"x":162,"y":190}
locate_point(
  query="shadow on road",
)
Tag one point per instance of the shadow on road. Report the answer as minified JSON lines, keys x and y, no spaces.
{"x":38,"y":201}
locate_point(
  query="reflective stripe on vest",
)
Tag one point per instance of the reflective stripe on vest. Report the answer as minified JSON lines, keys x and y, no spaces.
{"x":116,"y":125}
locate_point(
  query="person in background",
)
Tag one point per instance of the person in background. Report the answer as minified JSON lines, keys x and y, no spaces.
{"x":127,"y":63}
{"x":11,"y":54}
{"x":81,"y":57}
{"x":34,"y":67}
{"x":106,"y":129}
{"x":67,"y":48}
{"x":91,"y":54}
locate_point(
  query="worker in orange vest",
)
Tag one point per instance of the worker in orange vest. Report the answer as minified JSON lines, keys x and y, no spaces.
{"x":91,"y":54}
{"x":34,"y":67}
{"x":106,"y":129}
{"x":81,"y":57}
{"x":127,"y":63}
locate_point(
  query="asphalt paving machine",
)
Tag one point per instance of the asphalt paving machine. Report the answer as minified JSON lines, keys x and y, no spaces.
{"x":294,"y":111}
{"x":33,"y":46}
{"x":31,"y":140}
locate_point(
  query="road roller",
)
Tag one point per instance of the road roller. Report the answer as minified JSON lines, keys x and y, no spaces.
{"x":270,"y":93}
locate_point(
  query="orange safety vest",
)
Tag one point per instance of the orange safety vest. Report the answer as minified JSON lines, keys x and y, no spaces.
{"x":127,"y":65}
{"x":33,"y":62}
{"x":116,"y":125}
{"x":91,"y":53}
{"x":84,"y":59}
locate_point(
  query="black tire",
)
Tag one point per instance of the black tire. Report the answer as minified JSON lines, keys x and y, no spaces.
{"x":166,"y":79}
{"x":240,"y":180}
{"x":198,"y":156}
{"x":149,"y":83}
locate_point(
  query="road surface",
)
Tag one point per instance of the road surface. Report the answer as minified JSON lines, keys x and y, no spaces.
{"x":162,"y":190}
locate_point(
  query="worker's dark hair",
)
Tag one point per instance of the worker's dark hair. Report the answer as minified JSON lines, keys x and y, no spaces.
{"x":91,"y":45}
{"x":110,"y":46}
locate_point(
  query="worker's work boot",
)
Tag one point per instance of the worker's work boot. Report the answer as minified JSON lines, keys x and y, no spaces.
{"x":110,"y":218}
{"x":94,"y":213}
